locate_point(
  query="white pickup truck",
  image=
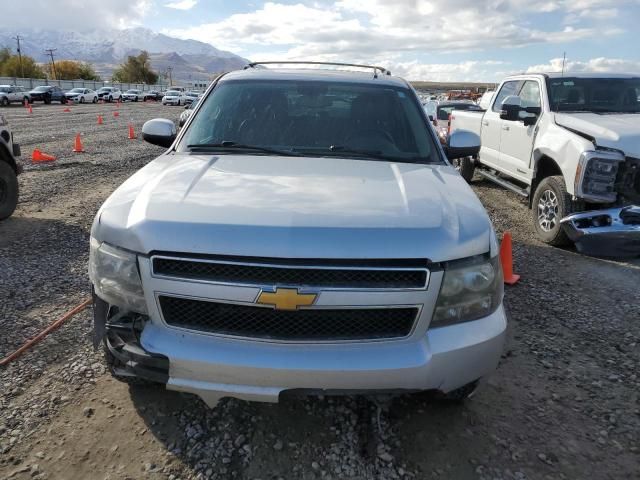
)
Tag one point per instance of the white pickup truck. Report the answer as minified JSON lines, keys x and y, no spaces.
{"x":571,"y":144}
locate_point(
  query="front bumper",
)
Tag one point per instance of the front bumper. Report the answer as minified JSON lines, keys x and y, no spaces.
{"x":613,"y":232}
{"x":211,"y":367}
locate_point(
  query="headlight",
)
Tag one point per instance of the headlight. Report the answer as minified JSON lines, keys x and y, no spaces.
{"x":469,"y":291}
{"x":115,"y":277}
{"x":596,"y":175}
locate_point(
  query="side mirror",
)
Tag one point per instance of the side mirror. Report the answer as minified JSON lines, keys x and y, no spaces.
{"x":159,"y":131}
{"x":462,"y":143}
{"x":511,"y":107}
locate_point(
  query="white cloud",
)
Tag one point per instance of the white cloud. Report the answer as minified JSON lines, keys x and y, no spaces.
{"x":601,"y":65}
{"x":82,"y":15}
{"x":182,"y":5}
{"x":354,"y":30}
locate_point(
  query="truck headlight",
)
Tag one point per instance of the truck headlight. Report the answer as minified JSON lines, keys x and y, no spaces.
{"x":115,"y":276}
{"x":469,"y":291}
{"x":596,"y":175}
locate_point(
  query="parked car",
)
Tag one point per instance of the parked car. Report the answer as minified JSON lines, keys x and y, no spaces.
{"x":109,"y":94}
{"x":190,"y":97}
{"x":571,"y":145}
{"x":443,"y":112}
{"x":174,"y":97}
{"x":153,"y":95}
{"x":47,"y":94}
{"x":188,"y":110}
{"x":13,"y":94}
{"x":10,"y":168}
{"x":82,"y":95}
{"x":133,"y":95}
{"x":303,"y":232}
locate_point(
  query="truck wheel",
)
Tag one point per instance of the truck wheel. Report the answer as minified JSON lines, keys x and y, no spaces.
{"x":5,"y":102}
{"x":551,"y":203}
{"x":8,"y":190}
{"x":466,"y":166}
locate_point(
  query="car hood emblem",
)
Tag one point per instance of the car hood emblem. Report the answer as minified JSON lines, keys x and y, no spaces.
{"x":286,"y":299}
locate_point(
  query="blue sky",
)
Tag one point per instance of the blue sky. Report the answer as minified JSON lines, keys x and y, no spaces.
{"x":420,"y":39}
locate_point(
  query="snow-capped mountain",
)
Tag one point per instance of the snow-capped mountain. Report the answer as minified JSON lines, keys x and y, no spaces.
{"x":105,"y":49}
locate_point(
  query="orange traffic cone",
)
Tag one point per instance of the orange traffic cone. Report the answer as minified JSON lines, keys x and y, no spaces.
{"x":66,"y":109}
{"x":506,"y":258}
{"x":78,"y":148}
{"x":132,"y":134}
{"x":29,"y":109}
{"x":100,"y":120}
{"x":38,"y":156}
{"x":26,"y":104}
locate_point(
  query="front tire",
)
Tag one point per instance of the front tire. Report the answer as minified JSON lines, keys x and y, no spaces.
{"x":95,"y":100}
{"x":466,"y":167}
{"x":551,"y":203}
{"x":8,"y":190}
{"x":5,"y":102}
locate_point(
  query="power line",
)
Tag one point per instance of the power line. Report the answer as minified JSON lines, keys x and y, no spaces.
{"x":17,"y":39}
{"x":49,"y":51}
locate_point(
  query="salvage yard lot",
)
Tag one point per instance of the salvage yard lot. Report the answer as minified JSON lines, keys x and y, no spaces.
{"x":564,"y":402}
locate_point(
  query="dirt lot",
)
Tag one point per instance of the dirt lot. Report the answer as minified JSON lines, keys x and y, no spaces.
{"x":564,"y":403}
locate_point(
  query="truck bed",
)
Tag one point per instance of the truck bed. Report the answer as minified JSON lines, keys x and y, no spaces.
{"x":470,"y":120}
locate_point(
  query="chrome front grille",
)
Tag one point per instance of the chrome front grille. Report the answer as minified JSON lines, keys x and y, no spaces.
{"x":316,"y":324}
{"x":322,"y":274}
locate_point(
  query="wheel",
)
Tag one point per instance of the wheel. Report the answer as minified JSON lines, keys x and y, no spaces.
{"x":47,"y":100}
{"x":136,"y":99}
{"x":95,"y":100}
{"x":63,"y":100}
{"x":551,"y":203}
{"x":110,"y":99}
{"x":5,"y":102}
{"x":466,"y":166}
{"x":178,"y":102}
{"x":81,"y":100}
{"x":25,"y":100}
{"x":8,"y":190}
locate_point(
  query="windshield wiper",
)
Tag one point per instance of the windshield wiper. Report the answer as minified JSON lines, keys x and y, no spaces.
{"x":335,"y":150}
{"x":231,"y":145}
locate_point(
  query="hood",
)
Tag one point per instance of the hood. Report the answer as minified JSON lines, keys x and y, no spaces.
{"x":619,"y":131}
{"x":292,"y":207}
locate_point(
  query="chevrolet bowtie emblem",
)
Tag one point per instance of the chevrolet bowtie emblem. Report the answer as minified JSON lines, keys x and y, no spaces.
{"x":286,"y":298}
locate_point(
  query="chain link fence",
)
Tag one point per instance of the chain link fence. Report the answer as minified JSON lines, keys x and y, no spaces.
{"x":31,"y":83}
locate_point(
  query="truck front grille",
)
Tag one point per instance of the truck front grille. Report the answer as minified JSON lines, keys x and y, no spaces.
{"x":400,"y":274}
{"x":297,"y":325}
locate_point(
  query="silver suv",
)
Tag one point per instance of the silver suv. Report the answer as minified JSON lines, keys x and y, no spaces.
{"x":303,"y":232}
{"x":13,"y":94}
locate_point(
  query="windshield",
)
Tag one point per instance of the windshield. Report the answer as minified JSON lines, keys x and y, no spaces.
{"x":600,"y":95}
{"x":315,"y":118}
{"x":4,"y":89}
{"x":41,"y":89}
{"x":172,"y":93}
{"x":445,"y":110}
{"x":105,"y":89}
{"x":77,"y":90}
{"x":132,"y":91}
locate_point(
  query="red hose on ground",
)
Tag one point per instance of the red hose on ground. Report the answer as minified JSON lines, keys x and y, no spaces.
{"x":9,"y":358}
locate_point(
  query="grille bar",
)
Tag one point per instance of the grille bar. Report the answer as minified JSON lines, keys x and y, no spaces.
{"x":299,"y":325}
{"x":273,"y":274}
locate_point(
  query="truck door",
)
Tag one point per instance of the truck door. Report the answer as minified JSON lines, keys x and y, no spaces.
{"x":491,"y":129}
{"x":516,"y":142}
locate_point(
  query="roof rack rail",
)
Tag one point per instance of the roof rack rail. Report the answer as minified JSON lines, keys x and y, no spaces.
{"x":375,"y":68}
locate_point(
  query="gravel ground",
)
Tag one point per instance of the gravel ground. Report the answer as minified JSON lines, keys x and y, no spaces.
{"x":564,"y":403}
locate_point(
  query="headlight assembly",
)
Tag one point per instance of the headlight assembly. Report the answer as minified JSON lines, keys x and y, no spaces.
{"x":468,"y":292}
{"x":596,"y":175}
{"x":115,"y":277}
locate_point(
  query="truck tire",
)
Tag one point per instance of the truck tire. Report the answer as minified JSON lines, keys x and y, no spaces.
{"x":5,"y":102}
{"x":551,"y":203}
{"x":8,"y":190}
{"x":466,"y":166}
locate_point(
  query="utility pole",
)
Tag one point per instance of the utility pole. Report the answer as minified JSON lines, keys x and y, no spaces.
{"x":564,"y":60}
{"x":169,"y":70}
{"x":17,"y":39}
{"x":49,"y":52}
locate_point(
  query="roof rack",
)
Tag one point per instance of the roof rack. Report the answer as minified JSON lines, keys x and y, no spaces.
{"x":375,"y":68}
